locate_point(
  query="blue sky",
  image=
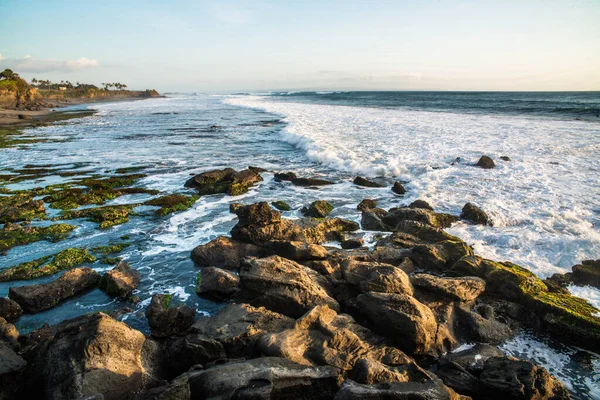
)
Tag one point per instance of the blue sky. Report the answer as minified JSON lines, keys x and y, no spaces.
{"x":261,"y":45}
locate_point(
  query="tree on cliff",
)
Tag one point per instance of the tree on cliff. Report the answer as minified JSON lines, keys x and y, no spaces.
{"x":8,"y":74}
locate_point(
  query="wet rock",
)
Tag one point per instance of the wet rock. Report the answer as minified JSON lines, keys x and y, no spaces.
{"x":264,"y":378}
{"x":587,"y":273}
{"x":353,"y":243}
{"x":486,"y":162}
{"x":10,"y":310}
{"x":166,"y":319}
{"x":297,"y":251}
{"x":376,"y":277}
{"x":440,"y":256}
{"x":234,"y":207}
{"x":285,"y":176}
{"x":371,"y":220}
{"x":318,"y":209}
{"x":398,"y":188}
{"x":505,"y":158}
{"x":11,"y":367}
{"x":360,"y":181}
{"x":89,"y":355}
{"x":410,"y":323}
{"x":224,"y":252}
{"x":483,"y":328}
{"x":464,"y":289}
{"x":281,"y":205}
{"x":366,"y":204}
{"x":420,"y":204}
{"x":19,"y":208}
{"x":35,"y":298}
{"x":217,"y":283}
{"x":474,"y":214}
{"x":396,"y":216}
{"x":120,"y":281}
{"x":428,"y":390}
{"x":409,"y":233}
{"x":9,"y":334}
{"x":510,"y":378}
{"x":225,"y":180}
{"x":283,"y":286}
{"x":177,"y":354}
{"x":310,"y":182}
{"x":238,"y":326}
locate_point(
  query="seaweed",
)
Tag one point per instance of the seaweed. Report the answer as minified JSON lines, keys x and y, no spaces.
{"x":66,"y":259}
{"x":13,"y":235}
{"x":172,"y":203}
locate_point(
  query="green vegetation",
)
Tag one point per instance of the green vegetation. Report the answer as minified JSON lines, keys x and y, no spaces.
{"x":110,"y":249}
{"x":70,"y":198}
{"x":13,"y":235}
{"x":172,"y":203}
{"x":20,"y":207}
{"x":281,"y":205}
{"x":167,"y":300}
{"x":66,"y":259}
{"x":105,"y":216}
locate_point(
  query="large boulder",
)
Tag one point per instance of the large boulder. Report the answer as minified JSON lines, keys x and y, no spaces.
{"x":177,"y":354}
{"x":440,"y":256}
{"x":263,"y":379}
{"x":120,"y":281}
{"x":486,"y":162}
{"x":283,"y":286}
{"x":166,"y":319}
{"x":420,"y":204}
{"x":398,"y":188}
{"x":92,"y":354}
{"x":587,"y":273}
{"x":9,"y":309}
{"x":376,"y":277}
{"x":371,"y":219}
{"x":36,"y":298}
{"x":318,"y":209}
{"x":474,"y":214}
{"x":427,"y":390}
{"x":395,"y":216}
{"x":225,"y":180}
{"x":224,"y":252}
{"x":464,"y":289}
{"x":217,"y":283}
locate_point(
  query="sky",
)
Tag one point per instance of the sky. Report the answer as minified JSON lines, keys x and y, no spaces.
{"x":225,"y":46}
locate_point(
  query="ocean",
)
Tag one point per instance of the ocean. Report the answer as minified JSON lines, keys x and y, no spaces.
{"x":544,"y":202}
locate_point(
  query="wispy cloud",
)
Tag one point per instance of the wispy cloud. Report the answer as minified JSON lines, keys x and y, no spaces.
{"x":30,"y":64}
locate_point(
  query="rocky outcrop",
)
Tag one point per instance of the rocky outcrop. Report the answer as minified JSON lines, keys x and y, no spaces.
{"x":225,"y":180}
{"x":224,"y":252}
{"x":464,"y":289}
{"x":360,"y":181}
{"x":167,"y":319}
{"x":36,"y":298}
{"x":318,"y":209}
{"x":440,"y":256}
{"x":10,"y":310}
{"x":476,"y":215}
{"x":486,"y":162}
{"x":217,"y":283}
{"x":398,"y":188}
{"x":120,"y":281}
{"x":297,"y":251}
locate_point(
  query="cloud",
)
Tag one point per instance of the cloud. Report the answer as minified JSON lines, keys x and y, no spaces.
{"x":30,"y":64}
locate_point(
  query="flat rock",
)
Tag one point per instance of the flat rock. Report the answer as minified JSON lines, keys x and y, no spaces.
{"x":217,"y":283}
{"x":428,"y":390}
{"x":297,"y":251}
{"x":464,"y":289}
{"x":310,"y":182}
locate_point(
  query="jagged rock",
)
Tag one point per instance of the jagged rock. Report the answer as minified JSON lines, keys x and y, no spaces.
{"x":283,"y":286}
{"x":310,"y":182}
{"x":376,"y":277}
{"x":318,"y":209}
{"x":474,"y":214}
{"x":410,"y":323}
{"x":10,"y":310}
{"x":440,"y":256}
{"x":510,"y":378}
{"x":285,"y":176}
{"x":238,"y":326}
{"x":323,"y":337}
{"x":89,"y":355}
{"x":398,"y":188}
{"x":371,"y":220}
{"x":35,"y":298}
{"x":428,"y":390}
{"x":353,"y":243}
{"x":464,"y":289}
{"x":587,"y":273}
{"x":120,"y":281}
{"x":166,"y":319}
{"x":224,"y":252}
{"x":217,"y":283}
{"x":225,"y":180}
{"x":360,"y":181}
{"x":396,"y":216}
{"x":264,"y":378}
{"x":297,"y":251}
{"x":366,"y":204}
{"x":420,"y":204}
{"x":486,"y":162}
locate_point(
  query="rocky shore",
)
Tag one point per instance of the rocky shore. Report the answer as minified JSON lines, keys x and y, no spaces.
{"x":308,"y":312}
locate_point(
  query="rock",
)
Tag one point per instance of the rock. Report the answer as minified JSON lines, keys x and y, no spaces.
{"x":35,"y":298}
{"x":369,"y":371}
{"x":420,"y":204}
{"x":474,"y":214}
{"x":398,"y":188}
{"x":177,"y":354}
{"x":234,"y":207}
{"x":464,"y":289}
{"x":209,"y":178}
{"x":217,"y":283}
{"x":297,"y":251}
{"x":11,"y":368}
{"x":324,"y":337}
{"x":440,"y":256}
{"x":428,"y":390}
{"x":23,"y":116}
{"x":353,"y":243}
{"x":409,"y":233}
{"x":283,"y":286}
{"x":264,"y":378}
{"x":587,"y":273}
{"x":178,"y":389}
{"x":396,"y":216}
{"x":88,"y":355}
{"x":9,"y":334}
{"x":376,"y":277}
{"x":120,"y":281}
{"x":238,"y":326}
{"x":225,"y":180}
{"x":281,"y":205}
{"x":360,"y":181}
{"x":285,"y":176}
{"x":486,"y":163}
{"x":366,"y":204}
{"x":505,"y":158}
{"x":165,"y":319}
{"x":510,"y":378}
{"x":310,"y":182}
{"x":224,"y":252}
{"x":483,"y":328}
{"x":371,"y":220}
{"x":410,"y":323}
{"x":10,"y":310}
{"x":318,"y":209}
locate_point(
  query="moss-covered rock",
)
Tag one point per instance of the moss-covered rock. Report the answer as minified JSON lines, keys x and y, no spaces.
{"x":110,"y":182}
{"x":172,"y":203}
{"x":281,"y":205}
{"x":20,"y":207}
{"x":18,"y":235}
{"x":318,"y":209}
{"x":227,"y":180}
{"x":105,"y":216}
{"x":476,"y":215}
{"x":48,"y":265}
{"x":366,"y":204}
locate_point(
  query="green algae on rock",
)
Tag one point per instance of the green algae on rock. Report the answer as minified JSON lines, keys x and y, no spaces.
{"x":281,"y":205}
{"x":106,"y":216}
{"x":172,"y":203}
{"x":20,"y":207}
{"x":318,"y":209}
{"x":70,"y":198}
{"x":18,"y":235}
{"x":48,"y":265}
{"x":227,"y":180}
{"x":107,"y":250}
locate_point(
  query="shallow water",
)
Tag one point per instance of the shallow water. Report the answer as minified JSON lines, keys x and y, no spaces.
{"x":545,"y":203}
